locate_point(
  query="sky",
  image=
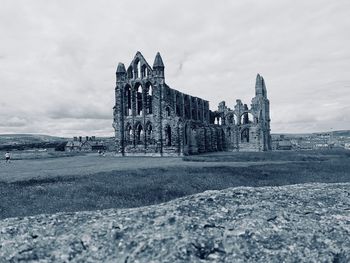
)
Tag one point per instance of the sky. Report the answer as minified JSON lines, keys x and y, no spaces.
{"x":58,"y":59}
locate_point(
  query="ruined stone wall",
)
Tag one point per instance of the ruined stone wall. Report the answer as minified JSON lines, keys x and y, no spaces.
{"x":150,"y":118}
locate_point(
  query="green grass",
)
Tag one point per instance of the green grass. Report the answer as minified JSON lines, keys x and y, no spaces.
{"x":139,"y":187}
{"x":319,"y":155}
{"x":31,"y":155}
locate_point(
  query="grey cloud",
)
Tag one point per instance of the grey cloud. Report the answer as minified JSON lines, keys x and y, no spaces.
{"x":71,"y":111}
{"x":58,"y":60}
{"x":13,"y":122}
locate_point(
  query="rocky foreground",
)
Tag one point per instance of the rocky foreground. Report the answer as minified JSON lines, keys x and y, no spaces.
{"x":309,"y":222}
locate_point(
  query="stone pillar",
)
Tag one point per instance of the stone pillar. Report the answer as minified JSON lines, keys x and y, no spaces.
{"x":157,"y":115}
{"x":118,"y":123}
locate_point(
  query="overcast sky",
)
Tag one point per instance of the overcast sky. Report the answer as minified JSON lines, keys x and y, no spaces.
{"x":58,"y":59}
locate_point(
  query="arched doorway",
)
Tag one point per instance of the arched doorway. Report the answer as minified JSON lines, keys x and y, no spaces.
{"x":149,"y":133}
{"x":245,"y":135}
{"x":139,"y":134}
{"x":168,"y":135}
{"x":128,"y":138}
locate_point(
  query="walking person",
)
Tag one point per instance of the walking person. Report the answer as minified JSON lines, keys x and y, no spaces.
{"x":7,"y":157}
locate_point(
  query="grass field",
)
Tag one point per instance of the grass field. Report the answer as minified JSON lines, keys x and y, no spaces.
{"x":88,"y":183}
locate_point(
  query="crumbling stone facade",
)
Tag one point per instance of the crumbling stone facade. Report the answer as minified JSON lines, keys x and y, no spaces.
{"x":150,"y":118}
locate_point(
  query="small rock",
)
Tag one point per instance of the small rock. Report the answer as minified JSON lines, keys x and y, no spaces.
{"x":224,"y":209}
{"x":86,"y":239}
{"x":171,"y":220}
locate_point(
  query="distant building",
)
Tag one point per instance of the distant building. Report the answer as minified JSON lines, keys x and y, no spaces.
{"x":321,"y":146}
{"x":73,"y":146}
{"x":311,"y":141}
{"x":284,"y":145}
{"x":305,"y":144}
{"x":281,"y":142}
{"x":93,"y":146}
{"x":89,"y":144}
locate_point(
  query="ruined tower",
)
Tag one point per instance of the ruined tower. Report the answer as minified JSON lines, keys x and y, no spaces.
{"x":150,"y":118}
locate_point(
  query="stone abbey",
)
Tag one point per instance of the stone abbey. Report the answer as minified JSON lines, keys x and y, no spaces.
{"x":150,"y":118}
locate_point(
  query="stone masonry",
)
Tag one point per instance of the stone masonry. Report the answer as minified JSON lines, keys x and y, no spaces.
{"x":150,"y":118}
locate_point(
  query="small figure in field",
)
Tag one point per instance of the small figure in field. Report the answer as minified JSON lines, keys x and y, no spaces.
{"x":7,"y":157}
{"x":99,"y":152}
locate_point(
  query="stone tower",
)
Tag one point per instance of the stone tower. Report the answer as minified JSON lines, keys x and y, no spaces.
{"x":261,"y":106}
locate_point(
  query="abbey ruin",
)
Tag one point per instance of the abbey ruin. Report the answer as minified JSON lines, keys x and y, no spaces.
{"x":150,"y":118}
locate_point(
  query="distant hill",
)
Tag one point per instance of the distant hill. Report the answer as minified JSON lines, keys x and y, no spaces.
{"x":29,"y":141}
{"x":342,"y":133}
{"x":345,"y":133}
{"x":11,"y":139}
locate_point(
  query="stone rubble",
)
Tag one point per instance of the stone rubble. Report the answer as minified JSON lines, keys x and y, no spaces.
{"x":296,"y":223}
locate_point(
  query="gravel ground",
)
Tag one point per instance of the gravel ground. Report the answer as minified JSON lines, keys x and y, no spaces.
{"x":296,"y":223}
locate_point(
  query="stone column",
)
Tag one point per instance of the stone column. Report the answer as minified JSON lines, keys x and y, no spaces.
{"x":118,"y":123}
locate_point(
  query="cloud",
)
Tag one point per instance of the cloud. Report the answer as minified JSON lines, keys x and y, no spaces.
{"x":13,"y":122}
{"x":76,"y":111}
{"x":58,"y":60}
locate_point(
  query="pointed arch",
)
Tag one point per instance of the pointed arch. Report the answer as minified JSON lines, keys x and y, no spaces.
{"x":128,"y":100}
{"x":149,"y":133}
{"x":139,"y":133}
{"x":139,"y":98}
{"x":149,"y":98}
{"x":218,"y":120}
{"x":245,"y":135}
{"x":137,"y":68}
{"x":247,"y":117}
{"x":128,"y":134}
{"x":168,"y":135}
